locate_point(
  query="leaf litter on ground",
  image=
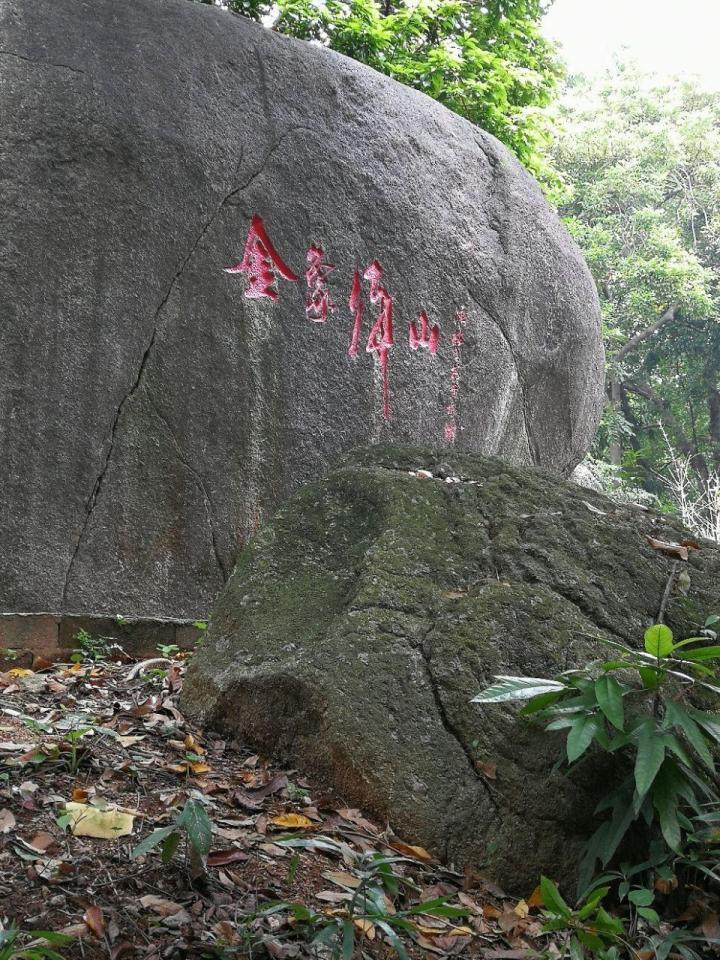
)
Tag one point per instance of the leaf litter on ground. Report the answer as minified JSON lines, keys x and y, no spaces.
{"x":90,"y":769}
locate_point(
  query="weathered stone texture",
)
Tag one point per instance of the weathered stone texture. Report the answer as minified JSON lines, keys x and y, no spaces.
{"x":150,"y":414}
{"x":364,"y":617}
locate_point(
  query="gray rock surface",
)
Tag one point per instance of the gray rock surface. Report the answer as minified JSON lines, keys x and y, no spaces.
{"x":150,"y":413}
{"x":363,"y":618}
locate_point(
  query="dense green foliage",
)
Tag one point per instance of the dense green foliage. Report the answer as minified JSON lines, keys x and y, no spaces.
{"x":661,"y":806}
{"x":641,"y":164}
{"x":485,"y":59}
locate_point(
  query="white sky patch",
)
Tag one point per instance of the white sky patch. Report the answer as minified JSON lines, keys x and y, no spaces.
{"x":664,"y":36}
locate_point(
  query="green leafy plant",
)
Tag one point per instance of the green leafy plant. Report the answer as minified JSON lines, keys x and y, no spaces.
{"x":639,"y":705}
{"x":589,"y":928}
{"x":73,"y":729}
{"x":371,"y":903}
{"x":192,"y":822}
{"x":167,"y":650}
{"x":92,"y":648}
{"x":40,"y":946}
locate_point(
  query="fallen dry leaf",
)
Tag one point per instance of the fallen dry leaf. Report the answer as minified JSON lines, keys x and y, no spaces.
{"x":129,"y":741}
{"x":679,"y":550}
{"x":41,"y":841}
{"x":365,"y":927}
{"x":161,"y":906}
{"x":41,"y":663}
{"x":342,"y":879}
{"x":535,"y":899}
{"x":191,"y":744}
{"x":93,"y":917}
{"x":294,"y":820}
{"x":334,"y":896}
{"x":88,"y":821}
{"x":218,"y":858}
{"x":408,"y":850}
{"x":522,"y":909}
{"x":7,"y":820}
{"x":488,"y":769}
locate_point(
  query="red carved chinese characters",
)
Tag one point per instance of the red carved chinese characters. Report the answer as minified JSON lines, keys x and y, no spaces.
{"x":458,"y":339}
{"x":381,"y":339}
{"x":428,"y":337}
{"x":318,"y":303}
{"x":259,"y":261}
{"x":356,"y":306}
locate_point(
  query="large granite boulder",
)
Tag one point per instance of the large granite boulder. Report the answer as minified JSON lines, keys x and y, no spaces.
{"x":364,"y":617}
{"x":154,"y":407}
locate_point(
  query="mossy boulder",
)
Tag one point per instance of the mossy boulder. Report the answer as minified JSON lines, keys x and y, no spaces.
{"x":364,"y":617}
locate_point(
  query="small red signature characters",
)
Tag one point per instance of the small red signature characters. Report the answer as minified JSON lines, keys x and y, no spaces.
{"x":428,"y":338}
{"x":458,"y":339}
{"x":318,"y":303}
{"x":259,"y":261}
{"x":381,"y":339}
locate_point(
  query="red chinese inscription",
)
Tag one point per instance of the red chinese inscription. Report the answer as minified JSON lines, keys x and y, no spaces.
{"x":356,"y":306}
{"x":318,"y":303}
{"x":260,"y":261}
{"x":381,"y":339}
{"x":458,"y":339}
{"x":427,"y":338}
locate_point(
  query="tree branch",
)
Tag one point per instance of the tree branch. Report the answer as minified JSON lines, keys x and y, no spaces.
{"x":633,"y":342}
{"x":697,"y":460}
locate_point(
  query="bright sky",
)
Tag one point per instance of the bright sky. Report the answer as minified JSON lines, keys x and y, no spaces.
{"x":668,"y":37}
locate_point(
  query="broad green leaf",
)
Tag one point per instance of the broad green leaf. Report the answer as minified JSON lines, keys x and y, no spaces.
{"x":438,"y":903}
{"x":199,"y":829}
{"x":648,"y":914}
{"x":650,"y":677}
{"x":642,"y":897}
{"x":576,"y":949}
{"x":622,"y":819}
{"x":170,"y":846}
{"x":702,"y":653}
{"x":593,"y":902}
{"x":393,"y":938}
{"x":681,"y":720}
{"x":156,"y":837}
{"x":609,"y":696}
{"x":580,"y":737}
{"x":684,"y":643}
{"x":507,"y":689}
{"x":552,"y":898}
{"x":674,"y":746}
{"x":591,"y":941}
{"x":650,"y":755}
{"x":710,"y":722}
{"x":658,"y":640}
{"x":52,"y":936}
{"x":665,"y":801}
{"x":607,"y":924}
{"x":348,"y":944}
{"x":540,"y":703}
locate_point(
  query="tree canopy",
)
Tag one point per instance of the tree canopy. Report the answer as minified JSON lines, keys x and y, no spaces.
{"x":641,"y":166}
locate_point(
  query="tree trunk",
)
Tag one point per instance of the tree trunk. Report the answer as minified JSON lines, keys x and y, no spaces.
{"x":615,"y":402}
